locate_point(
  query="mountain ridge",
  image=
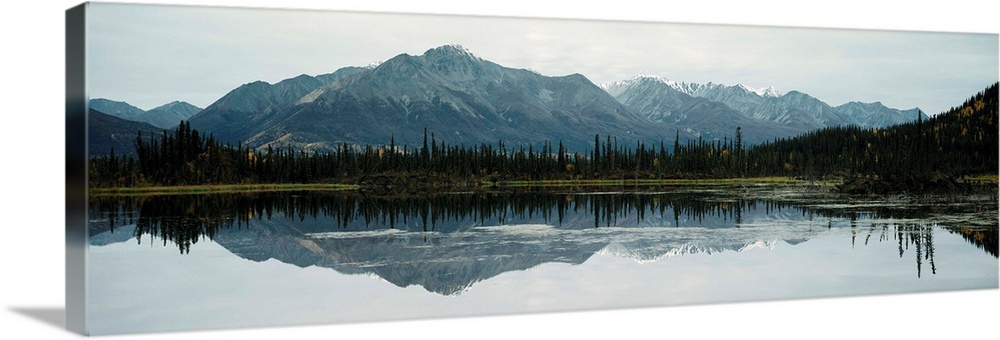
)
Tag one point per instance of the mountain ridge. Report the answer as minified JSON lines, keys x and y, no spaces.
{"x":165,"y":116}
{"x":794,"y":109}
{"x":170,"y":114}
{"x":462,"y":98}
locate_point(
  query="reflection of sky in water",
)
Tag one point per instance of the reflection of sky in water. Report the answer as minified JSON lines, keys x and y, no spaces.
{"x":151,"y":288}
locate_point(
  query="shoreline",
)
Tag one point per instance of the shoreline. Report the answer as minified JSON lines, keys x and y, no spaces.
{"x":216,"y":188}
{"x":484,"y":185}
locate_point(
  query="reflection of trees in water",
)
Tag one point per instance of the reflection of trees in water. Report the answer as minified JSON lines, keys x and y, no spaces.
{"x":182,"y":220}
{"x":920,"y":237}
{"x":186,"y":219}
{"x":115,"y":210}
{"x":985,"y":239}
{"x":906,"y":235}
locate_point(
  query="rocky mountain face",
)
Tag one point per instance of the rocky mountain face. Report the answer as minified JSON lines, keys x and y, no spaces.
{"x":667,"y":104}
{"x":459,"y":97}
{"x":240,"y":113}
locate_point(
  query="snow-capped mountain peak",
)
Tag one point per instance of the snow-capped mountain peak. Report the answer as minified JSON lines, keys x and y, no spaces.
{"x":769,"y":91}
{"x":691,"y":89}
{"x":452,"y":50}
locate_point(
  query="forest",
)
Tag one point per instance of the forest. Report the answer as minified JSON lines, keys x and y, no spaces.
{"x":960,"y":142}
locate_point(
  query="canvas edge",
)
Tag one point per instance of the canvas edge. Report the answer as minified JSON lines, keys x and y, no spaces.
{"x":77,"y":153}
{"x":76,"y":169}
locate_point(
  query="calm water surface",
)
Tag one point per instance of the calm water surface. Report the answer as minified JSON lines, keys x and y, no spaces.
{"x":163,"y":263}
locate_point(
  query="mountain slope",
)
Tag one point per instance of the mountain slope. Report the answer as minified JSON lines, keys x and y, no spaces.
{"x":118,"y":109}
{"x":106,"y":132}
{"x":169,"y":115}
{"x":245,"y":108}
{"x":878,"y":115}
{"x":242,"y":108}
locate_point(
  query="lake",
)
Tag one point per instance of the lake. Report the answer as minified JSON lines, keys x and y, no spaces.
{"x":212,"y":261}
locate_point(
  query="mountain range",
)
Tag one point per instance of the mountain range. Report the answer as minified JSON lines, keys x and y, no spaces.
{"x":460,"y":98}
{"x":777,"y":115}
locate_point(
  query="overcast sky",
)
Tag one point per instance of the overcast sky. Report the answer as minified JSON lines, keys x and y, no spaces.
{"x":150,"y":55}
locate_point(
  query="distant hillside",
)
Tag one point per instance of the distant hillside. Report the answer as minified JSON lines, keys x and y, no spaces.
{"x":878,"y":115}
{"x":117,"y":109}
{"x":107,"y":132}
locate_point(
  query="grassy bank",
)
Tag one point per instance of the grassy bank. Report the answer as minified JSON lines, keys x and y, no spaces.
{"x":655,"y":182}
{"x":981,"y":179}
{"x":219,"y":188}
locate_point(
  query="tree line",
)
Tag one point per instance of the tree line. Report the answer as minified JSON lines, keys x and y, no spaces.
{"x":961,"y":141}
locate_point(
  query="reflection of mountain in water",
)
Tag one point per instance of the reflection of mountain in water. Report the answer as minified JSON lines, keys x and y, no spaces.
{"x":448,"y":243}
{"x":450,"y":262}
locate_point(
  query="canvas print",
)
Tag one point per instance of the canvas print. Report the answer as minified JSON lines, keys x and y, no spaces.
{"x":258,"y":167}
